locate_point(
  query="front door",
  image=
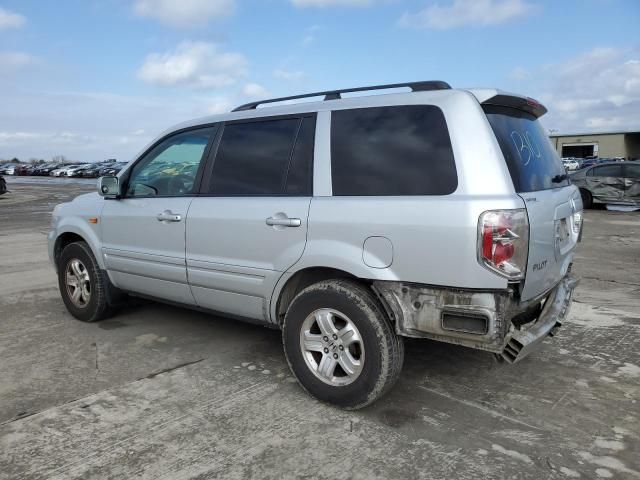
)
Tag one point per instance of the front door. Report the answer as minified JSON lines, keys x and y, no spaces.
{"x":143,"y":232}
{"x":631,"y":173}
{"x":250,"y":224}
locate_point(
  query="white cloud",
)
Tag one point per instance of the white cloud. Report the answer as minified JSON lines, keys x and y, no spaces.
{"x":254,"y":90}
{"x":195,"y":65}
{"x":331,"y":3}
{"x":91,"y":126}
{"x":13,"y":61}
{"x":217,"y":105}
{"x":289,"y":75}
{"x":11,"y":19}
{"x":597,"y":90}
{"x":184,"y":13}
{"x":461,"y":13}
{"x":310,"y":35}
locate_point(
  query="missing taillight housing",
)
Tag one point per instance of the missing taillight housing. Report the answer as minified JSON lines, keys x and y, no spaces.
{"x":503,"y":242}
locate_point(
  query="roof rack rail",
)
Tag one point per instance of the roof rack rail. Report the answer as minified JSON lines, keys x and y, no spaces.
{"x":337,"y":94}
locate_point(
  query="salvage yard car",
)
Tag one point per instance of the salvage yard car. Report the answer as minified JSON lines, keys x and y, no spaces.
{"x":112,"y":169}
{"x":348,"y":223}
{"x":571,"y":163}
{"x":612,"y":183}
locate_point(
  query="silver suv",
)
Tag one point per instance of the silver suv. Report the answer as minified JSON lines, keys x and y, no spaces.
{"x":348,"y":223}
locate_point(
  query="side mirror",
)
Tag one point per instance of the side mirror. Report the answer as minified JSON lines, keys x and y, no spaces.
{"x":109,"y":187}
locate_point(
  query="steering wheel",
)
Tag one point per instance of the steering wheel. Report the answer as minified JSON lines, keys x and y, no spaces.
{"x":180,"y":184}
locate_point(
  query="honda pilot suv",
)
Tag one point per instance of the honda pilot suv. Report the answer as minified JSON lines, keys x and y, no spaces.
{"x":348,"y":223}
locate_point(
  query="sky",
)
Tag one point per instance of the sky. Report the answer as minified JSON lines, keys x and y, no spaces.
{"x":97,"y":79}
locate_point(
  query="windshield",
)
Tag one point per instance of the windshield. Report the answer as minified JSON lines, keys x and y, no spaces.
{"x":532,"y":161}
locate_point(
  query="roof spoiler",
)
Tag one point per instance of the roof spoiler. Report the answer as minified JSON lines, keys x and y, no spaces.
{"x":526,"y":104}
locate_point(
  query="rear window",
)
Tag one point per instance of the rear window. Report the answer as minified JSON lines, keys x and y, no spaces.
{"x":399,"y":150}
{"x":533,"y":163}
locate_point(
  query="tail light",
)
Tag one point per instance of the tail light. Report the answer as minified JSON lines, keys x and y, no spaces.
{"x":503,"y":242}
{"x":577,"y":222}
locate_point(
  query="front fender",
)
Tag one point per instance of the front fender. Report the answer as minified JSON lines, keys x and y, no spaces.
{"x":80,"y":217}
{"x":89,"y":233}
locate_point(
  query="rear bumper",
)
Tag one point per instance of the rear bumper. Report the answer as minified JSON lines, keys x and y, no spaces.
{"x":494,"y":321}
{"x":519,"y":343}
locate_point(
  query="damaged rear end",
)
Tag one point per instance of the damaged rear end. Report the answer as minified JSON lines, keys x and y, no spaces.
{"x":531,"y":247}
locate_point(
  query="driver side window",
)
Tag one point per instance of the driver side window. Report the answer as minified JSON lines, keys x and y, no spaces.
{"x":170,"y":168}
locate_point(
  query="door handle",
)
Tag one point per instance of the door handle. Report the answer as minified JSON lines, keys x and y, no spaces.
{"x":168,"y":216}
{"x":284,"y":222}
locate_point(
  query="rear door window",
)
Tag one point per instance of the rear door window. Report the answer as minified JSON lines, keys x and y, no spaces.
{"x":396,"y":150}
{"x":258,"y":158}
{"x":532,"y":161}
{"x":300,"y":174}
{"x":607,"y":171}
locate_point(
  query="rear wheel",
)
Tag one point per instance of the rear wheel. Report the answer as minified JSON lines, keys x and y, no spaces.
{"x":340,"y":344}
{"x":81,"y":283}
{"x":587,"y":199}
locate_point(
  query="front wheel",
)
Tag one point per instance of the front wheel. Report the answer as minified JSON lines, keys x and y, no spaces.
{"x":82,"y":286}
{"x":340,"y":344}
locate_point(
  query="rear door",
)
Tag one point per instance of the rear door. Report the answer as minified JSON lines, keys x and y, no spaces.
{"x":552,"y":202}
{"x":606,"y":182}
{"x":631,"y":182}
{"x":249,"y":225}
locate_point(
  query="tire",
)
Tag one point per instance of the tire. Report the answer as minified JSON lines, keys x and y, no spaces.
{"x":368,"y":346}
{"x":77,"y":261}
{"x":587,"y":199}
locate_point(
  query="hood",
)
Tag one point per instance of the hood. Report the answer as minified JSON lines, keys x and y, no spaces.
{"x":87,"y":197}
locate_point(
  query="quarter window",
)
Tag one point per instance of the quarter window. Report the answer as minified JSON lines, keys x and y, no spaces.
{"x":632,"y":171}
{"x":259,"y":158}
{"x":170,"y":168}
{"x":397,"y":150}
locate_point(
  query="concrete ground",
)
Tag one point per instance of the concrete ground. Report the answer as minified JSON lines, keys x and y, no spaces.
{"x":161,"y":392}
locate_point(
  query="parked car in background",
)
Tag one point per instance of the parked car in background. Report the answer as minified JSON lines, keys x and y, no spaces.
{"x":78,"y":170}
{"x":46,"y":168}
{"x":25,"y":169}
{"x":112,"y":169}
{"x":65,"y":169}
{"x":10,"y":169}
{"x":59,"y":171}
{"x":589,"y":162}
{"x":571,"y":164}
{"x":303,"y":217}
{"x":91,"y":171}
{"x":612,"y":182}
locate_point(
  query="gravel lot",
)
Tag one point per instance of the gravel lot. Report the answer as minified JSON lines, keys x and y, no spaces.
{"x":161,"y":392}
